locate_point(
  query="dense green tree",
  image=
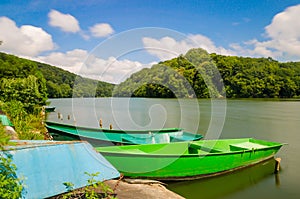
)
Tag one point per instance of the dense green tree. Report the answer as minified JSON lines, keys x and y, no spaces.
{"x":26,"y":90}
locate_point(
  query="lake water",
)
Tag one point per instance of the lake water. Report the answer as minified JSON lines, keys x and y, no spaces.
{"x":273,"y":120}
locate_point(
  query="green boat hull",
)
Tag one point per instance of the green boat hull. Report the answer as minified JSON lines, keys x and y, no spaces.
{"x":106,"y":137}
{"x":186,"y":160}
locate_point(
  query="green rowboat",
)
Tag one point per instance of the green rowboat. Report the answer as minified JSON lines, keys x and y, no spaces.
{"x":188,"y":160}
{"x":106,"y":137}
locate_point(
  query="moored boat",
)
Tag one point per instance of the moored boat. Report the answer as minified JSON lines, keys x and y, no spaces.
{"x":104,"y":137}
{"x":49,"y":108}
{"x":45,"y":166}
{"x":188,"y":160}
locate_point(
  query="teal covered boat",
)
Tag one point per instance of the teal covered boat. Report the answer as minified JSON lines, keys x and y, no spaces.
{"x":104,"y":137}
{"x":4,"y":120}
{"x":188,"y":160}
{"x":44,"y":166}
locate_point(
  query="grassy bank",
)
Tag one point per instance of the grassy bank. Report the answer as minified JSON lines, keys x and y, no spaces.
{"x":28,"y":125}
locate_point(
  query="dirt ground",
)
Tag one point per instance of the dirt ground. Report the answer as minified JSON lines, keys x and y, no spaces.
{"x":141,"y":189}
{"x":128,"y":189}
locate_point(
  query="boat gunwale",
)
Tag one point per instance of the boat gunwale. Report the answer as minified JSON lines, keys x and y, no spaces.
{"x":92,"y":133}
{"x":164,"y":130}
{"x":106,"y":139}
{"x":126,"y":154}
{"x":78,"y":136}
{"x":26,"y":144}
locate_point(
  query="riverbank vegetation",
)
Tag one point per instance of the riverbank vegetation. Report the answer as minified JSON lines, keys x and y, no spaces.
{"x":29,"y":125}
{"x":26,"y":85}
{"x":23,"y":92}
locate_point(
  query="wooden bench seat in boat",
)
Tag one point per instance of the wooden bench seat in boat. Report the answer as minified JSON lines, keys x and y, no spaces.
{"x":246,"y":146}
{"x":199,"y":149}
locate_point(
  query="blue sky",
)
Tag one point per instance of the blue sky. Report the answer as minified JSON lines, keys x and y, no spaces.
{"x":90,"y":37}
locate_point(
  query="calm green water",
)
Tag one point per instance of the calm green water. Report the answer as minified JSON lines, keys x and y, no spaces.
{"x":261,"y":119}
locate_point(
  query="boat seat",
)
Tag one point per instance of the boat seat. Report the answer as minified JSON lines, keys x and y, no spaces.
{"x":246,"y":146}
{"x":184,"y":137}
{"x":194,"y":147}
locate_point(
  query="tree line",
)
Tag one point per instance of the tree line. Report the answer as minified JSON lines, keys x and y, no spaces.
{"x":195,"y":74}
{"x":202,"y":75}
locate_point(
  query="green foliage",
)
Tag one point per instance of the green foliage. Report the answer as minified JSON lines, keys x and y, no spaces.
{"x":14,"y":67}
{"x":10,"y":185}
{"x":51,"y":81}
{"x":69,"y":188}
{"x":29,"y":126}
{"x":89,"y":191}
{"x":25,"y":90}
{"x":186,"y":76}
{"x":20,"y":80}
{"x":59,"y":82}
{"x":258,"y":77}
{"x":203,"y":75}
{"x":191,"y":75}
{"x":92,"y":184}
{"x":4,"y":138}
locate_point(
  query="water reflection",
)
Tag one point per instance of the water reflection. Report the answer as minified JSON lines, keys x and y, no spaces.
{"x":221,"y":186}
{"x":277,"y":180}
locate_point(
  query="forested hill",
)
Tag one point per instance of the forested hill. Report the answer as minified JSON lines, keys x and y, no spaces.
{"x":242,"y":77}
{"x":52,"y":81}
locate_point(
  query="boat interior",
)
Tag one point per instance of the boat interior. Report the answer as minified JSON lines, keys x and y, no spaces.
{"x":194,"y":147}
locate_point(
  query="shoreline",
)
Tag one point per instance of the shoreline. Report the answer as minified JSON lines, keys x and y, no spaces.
{"x":141,"y":189}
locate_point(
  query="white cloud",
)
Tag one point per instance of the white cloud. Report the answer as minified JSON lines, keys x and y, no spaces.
{"x":284,"y":32}
{"x":282,"y":37}
{"x":101,"y":30}
{"x":282,"y":41}
{"x":71,"y":60}
{"x":167,"y":47}
{"x":26,"y":40}
{"x":80,"y":62}
{"x":207,"y":44}
{"x":65,"y":22}
{"x":111,"y":69}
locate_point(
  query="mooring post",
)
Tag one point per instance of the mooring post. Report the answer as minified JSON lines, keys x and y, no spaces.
{"x":277,"y":165}
{"x":100,"y":123}
{"x":110,"y":126}
{"x":59,"y":116}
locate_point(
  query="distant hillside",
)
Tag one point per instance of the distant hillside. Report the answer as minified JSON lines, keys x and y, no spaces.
{"x":243,"y":77}
{"x":59,"y":83}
